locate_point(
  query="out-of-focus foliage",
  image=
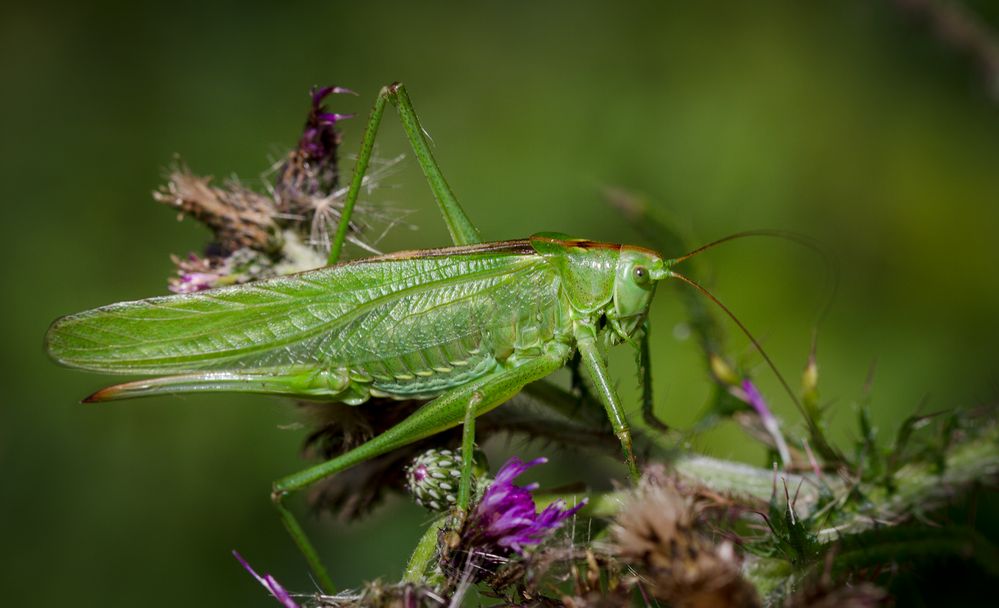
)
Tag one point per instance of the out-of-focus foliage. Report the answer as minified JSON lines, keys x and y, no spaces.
{"x":853,"y":122}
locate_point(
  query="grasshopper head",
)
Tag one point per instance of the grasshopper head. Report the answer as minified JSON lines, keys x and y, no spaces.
{"x":638,"y":271}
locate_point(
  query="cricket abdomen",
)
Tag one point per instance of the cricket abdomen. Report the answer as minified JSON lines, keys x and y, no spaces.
{"x":426,"y":374}
{"x":503,"y":331}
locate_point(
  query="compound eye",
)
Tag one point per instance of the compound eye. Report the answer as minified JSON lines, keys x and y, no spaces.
{"x":641,"y":274}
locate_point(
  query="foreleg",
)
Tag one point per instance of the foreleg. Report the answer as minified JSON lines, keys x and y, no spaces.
{"x":596,"y":369}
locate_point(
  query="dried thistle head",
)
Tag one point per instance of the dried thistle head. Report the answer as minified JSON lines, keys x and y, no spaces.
{"x":659,"y":532}
{"x":236,"y":215}
{"x":655,"y":521}
{"x":377,"y":594}
{"x":247,"y":240}
{"x":286,"y":228}
{"x":402,"y":595}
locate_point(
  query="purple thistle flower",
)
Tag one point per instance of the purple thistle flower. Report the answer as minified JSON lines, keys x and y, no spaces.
{"x":507,"y":517}
{"x":319,"y":139}
{"x":270,"y":583}
{"x":755,"y":400}
{"x":194,"y":274}
{"x":189,"y":282}
{"x":310,"y":170}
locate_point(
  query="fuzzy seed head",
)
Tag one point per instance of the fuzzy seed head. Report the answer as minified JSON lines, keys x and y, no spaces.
{"x":657,"y":531}
{"x":238,"y":216}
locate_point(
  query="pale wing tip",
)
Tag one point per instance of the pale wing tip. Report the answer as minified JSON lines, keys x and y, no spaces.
{"x":47,"y":339}
{"x":62,"y":344}
{"x":54,"y":344}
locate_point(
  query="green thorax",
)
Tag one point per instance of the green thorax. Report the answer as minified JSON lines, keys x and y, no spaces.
{"x":585,"y":268}
{"x":603,"y":280}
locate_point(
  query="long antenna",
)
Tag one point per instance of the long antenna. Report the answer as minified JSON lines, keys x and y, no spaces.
{"x":829,"y":260}
{"x":745,"y":330}
{"x":781,"y":234}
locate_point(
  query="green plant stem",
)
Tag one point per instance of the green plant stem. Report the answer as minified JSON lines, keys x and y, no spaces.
{"x":920,"y":487}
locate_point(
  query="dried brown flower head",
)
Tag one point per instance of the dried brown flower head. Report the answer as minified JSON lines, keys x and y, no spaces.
{"x":238,"y":216}
{"x":658,"y":532}
{"x":377,"y":594}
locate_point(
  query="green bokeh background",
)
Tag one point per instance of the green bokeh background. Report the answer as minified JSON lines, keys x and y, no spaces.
{"x":846,"y":121}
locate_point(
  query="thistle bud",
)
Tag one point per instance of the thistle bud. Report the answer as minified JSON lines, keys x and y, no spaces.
{"x":722,"y":371}
{"x":433,"y":477}
{"x":810,"y":381}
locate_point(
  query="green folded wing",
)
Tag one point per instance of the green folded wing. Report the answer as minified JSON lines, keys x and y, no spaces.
{"x":317,"y":318}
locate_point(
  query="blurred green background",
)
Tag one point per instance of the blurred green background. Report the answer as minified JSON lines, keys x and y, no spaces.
{"x":848,"y":121}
